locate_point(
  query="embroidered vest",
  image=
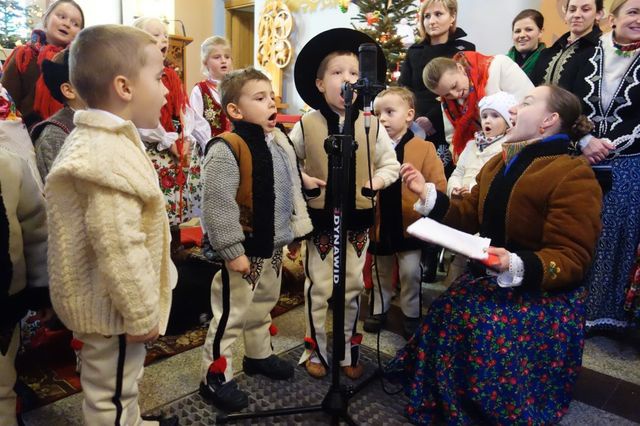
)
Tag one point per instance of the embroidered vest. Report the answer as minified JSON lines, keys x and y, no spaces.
{"x":62,"y":119}
{"x":213,"y":112}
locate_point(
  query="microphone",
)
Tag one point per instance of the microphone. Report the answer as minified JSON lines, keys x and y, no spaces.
{"x":368,"y":59}
{"x":166,"y":21}
{"x":184,"y":32}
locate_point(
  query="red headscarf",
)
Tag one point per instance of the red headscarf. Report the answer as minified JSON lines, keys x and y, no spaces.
{"x":465,"y":117}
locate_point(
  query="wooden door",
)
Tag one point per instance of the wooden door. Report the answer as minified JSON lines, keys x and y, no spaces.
{"x":240,"y":30}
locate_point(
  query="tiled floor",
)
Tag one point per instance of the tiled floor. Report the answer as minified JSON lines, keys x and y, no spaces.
{"x":608,"y":390}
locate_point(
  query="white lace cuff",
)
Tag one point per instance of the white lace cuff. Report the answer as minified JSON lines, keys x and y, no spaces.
{"x":514,"y":276}
{"x":425,"y":207}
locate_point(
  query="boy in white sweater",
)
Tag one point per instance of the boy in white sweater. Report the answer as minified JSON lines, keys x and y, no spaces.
{"x":110,"y":272}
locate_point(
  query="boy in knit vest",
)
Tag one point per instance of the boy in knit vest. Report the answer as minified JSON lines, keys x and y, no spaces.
{"x":325,"y":63}
{"x":110,"y":270}
{"x":395,"y":109}
{"x":49,"y":135}
{"x":252,"y":207}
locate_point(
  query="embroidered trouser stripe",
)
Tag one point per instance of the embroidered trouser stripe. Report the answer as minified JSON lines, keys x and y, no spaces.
{"x":410,"y":275}
{"x":226,"y":302}
{"x":8,"y":379}
{"x":122,"y":352}
{"x":368,"y":272}
{"x":309,"y":302}
{"x":319,"y":273}
{"x":111,"y":370}
{"x":241,"y":305}
{"x":355,"y":349}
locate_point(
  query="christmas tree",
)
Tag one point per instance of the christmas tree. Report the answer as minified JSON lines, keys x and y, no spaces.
{"x":12,"y":23}
{"x":381,"y":21}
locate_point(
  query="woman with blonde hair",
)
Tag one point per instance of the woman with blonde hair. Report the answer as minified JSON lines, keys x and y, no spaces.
{"x":462,"y":81}
{"x":437,"y":25}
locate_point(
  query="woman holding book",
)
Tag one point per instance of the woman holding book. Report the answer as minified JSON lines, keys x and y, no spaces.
{"x":505,"y":343}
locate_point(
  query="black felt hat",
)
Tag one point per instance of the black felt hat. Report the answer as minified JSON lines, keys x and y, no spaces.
{"x":316,"y":49}
{"x":54,"y":74}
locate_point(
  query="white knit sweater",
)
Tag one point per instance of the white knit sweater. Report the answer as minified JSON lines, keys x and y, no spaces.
{"x":24,"y":204}
{"x":109,"y":261}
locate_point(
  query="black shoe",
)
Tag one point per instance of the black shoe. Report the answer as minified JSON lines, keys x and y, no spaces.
{"x":225,"y":396}
{"x":272,"y":367}
{"x":374,"y":323}
{"x":409,"y":326}
{"x":162,"y":420}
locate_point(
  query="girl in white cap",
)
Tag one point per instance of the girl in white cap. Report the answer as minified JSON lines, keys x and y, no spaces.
{"x":495,"y":121}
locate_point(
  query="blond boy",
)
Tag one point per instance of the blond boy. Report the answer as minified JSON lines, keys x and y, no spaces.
{"x":110,"y":272}
{"x":395,"y":108}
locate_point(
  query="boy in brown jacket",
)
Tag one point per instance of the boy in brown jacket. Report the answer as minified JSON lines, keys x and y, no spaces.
{"x":395,"y":108}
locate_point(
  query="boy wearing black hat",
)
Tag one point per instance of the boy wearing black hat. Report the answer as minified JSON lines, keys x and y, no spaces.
{"x":324,"y":64}
{"x":49,"y":135}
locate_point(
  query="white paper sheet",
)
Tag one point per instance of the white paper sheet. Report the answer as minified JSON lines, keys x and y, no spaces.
{"x":429,"y":230}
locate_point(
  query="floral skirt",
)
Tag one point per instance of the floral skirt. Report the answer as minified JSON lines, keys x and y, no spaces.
{"x":632,"y":299}
{"x":491,"y":355}
{"x":609,"y":277}
{"x":180,"y":185}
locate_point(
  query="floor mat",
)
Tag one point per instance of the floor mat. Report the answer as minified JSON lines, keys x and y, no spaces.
{"x":50,"y":371}
{"x":370,"y":406}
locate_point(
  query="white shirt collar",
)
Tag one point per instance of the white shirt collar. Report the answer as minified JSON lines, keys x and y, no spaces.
{"x":395,"y":142}
{"x":117,"y":118}
{"x":269,"y":137}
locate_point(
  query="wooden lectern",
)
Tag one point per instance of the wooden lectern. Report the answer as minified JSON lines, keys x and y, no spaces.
{"x":176,"y":55}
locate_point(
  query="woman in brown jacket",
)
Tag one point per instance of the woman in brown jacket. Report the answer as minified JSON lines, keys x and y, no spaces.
{"x":505,"y":344}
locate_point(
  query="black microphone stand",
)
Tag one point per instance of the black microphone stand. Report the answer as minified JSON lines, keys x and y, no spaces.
{"x":341,"y":149}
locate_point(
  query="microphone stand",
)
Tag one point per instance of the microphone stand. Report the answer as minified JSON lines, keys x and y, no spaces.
{"x":340,"y":149}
